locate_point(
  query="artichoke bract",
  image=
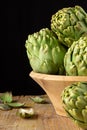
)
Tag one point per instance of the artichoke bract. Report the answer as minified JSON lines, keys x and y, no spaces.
{"x":75,"y":60}
{"x":74,"y":99}
{"x":69,"y":24}
{"x":45,"y":53}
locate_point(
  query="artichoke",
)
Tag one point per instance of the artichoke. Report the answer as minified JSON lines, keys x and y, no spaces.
{"x":75,"y":60}
{"x":45,"y":53}
{"x":74,"y":99}
{"x":69,"y":24}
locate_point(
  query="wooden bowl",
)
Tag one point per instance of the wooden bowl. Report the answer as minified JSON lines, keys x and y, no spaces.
{"x":53,"y":85}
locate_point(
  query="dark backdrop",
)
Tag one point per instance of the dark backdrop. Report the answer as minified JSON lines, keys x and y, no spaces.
{"x":18,"y":20}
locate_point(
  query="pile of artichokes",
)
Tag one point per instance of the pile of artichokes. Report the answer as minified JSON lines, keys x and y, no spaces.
{"x":62,"y":50}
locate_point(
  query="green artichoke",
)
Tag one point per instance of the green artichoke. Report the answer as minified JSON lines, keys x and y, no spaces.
{"x":75,"y":60}
{"x":45,"y":53}
{"x":74,"y":99}
{"x":69,"y":24}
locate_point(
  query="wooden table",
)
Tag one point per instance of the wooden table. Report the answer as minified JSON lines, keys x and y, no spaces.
{"x":46,"y":118}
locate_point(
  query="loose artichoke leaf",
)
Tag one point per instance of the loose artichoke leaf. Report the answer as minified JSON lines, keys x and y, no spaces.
{"x":4,"y":107}
{"x":26,"y":113}
{"x":16,"y":104}
{"x":6,"y":97}
{"x":38,"y":99}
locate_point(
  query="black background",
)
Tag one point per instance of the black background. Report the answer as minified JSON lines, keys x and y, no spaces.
{"x":18,"y":19}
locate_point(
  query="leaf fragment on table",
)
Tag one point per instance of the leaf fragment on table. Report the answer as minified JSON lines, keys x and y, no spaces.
{"x":38,"y":99}
{"x":7,"y":102}
{"x":16,"y":104}
{"x":6,"y":97}
{"x":26,"y":113}
{"x":4,"y":107}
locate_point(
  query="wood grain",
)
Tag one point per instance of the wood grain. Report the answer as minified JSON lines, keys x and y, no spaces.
{"x":46,"y":118}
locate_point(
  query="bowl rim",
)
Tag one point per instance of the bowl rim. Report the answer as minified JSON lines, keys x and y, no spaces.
{"x":57,"y":77}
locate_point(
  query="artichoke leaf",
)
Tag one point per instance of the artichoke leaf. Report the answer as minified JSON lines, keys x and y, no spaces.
{"x":16,"y":104}
{"x":84,"y":113}
{"x":4,"y":107}
{"x":80,"y":103}
{"x":38,"y":99}
{"x":6,"y":97}
{"x":26,"y":113}
{"x":81,"y":124}
{"x":76,"y":114}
